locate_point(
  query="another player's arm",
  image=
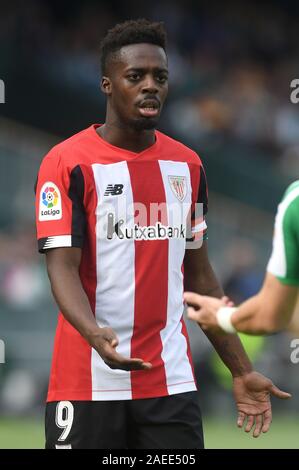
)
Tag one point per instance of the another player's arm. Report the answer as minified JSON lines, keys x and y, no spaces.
{"x":200,"y":278}
{"x":63,"y":270}
{"x":274,"y":304}
{"x":251,"y":389}
{"x":268,"y":311}
{"x":271,"y":309}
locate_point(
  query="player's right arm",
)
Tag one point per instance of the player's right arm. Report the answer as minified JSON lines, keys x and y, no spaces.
{"x":267,"y":312}
{"x":63,"y":270}
{"x":61,"y":224}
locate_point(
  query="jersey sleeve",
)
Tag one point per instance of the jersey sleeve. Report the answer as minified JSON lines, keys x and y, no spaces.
{"x":284,"y":260}
{"x":60,"y":214}
{"x":199,"y":207}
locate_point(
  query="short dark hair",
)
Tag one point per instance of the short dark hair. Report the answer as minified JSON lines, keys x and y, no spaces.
{"x":131,"y":32}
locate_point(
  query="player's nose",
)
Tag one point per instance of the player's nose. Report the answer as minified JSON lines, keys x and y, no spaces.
{"x":149,"y":85}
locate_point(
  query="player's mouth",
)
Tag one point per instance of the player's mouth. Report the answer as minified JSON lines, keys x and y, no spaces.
{"x":149,"y":108}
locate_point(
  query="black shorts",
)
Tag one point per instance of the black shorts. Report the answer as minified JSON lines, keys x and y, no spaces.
{"x":171,"y":422}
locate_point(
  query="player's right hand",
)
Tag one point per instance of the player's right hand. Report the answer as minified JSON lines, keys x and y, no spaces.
{"x":105,"y":342}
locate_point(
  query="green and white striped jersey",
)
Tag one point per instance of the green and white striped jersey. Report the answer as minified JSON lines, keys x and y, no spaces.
{"x":284,"y":261}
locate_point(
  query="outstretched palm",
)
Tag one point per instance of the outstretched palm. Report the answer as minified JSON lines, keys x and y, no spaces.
{"x":252,"y":395}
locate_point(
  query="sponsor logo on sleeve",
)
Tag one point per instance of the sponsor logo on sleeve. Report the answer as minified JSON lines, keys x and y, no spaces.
{"x":50,"y":202}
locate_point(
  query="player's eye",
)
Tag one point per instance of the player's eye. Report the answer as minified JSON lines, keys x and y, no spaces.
{"x":134,"y":77}
{"x":162,"y":78}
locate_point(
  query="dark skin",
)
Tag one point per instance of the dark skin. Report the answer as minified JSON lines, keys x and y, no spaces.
{"x":140,"y":73}
{"x":137,"y":78}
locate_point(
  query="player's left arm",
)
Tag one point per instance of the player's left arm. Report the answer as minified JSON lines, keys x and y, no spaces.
{"x":251,"y":389}
{"x":199,"y":277}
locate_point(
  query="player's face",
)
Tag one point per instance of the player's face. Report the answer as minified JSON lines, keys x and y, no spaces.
{"x":139,"y":85}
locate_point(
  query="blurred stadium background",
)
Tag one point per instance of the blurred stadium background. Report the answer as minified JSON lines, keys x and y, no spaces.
{"x":231,"y":65}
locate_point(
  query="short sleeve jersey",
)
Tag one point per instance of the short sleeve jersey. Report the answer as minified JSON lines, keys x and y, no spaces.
{"x":284,"y":261}
{"x":129,"y":213}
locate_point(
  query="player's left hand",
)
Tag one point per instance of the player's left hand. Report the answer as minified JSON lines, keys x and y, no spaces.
{"x":252,"y":395}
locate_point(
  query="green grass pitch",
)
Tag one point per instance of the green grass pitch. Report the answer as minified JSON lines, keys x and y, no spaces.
{"x":221,"y":434}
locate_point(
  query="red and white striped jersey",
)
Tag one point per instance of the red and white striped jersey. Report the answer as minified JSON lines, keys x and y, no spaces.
{"x":128,"y":212}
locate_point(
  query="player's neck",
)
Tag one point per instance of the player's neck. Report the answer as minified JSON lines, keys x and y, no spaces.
{"x":127,"y":138}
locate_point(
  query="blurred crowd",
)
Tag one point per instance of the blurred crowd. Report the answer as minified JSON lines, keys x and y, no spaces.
{"x":231,"y":63}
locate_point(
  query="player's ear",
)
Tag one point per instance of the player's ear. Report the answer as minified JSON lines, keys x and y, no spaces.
{"x":106,"y":86}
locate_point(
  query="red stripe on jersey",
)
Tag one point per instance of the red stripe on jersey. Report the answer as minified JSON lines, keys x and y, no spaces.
{"x":71,"y":370}
{"x":185,"y":333}
{"x":194,"y":177}
{"x":195,"y":182}
{"x":151,"y":263}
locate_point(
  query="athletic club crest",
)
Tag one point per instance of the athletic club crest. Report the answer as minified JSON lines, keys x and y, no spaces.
{"x":178,"y":186}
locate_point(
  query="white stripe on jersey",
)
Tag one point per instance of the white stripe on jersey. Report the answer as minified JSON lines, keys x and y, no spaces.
{"x":115,"y":283}
{"x":174,"y":354}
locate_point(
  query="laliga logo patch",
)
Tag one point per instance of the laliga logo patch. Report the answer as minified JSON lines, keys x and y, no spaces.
{"x":50,"y":202}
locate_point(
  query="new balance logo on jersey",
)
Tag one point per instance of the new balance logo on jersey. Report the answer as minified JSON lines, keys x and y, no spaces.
{"x":114,"y":190}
